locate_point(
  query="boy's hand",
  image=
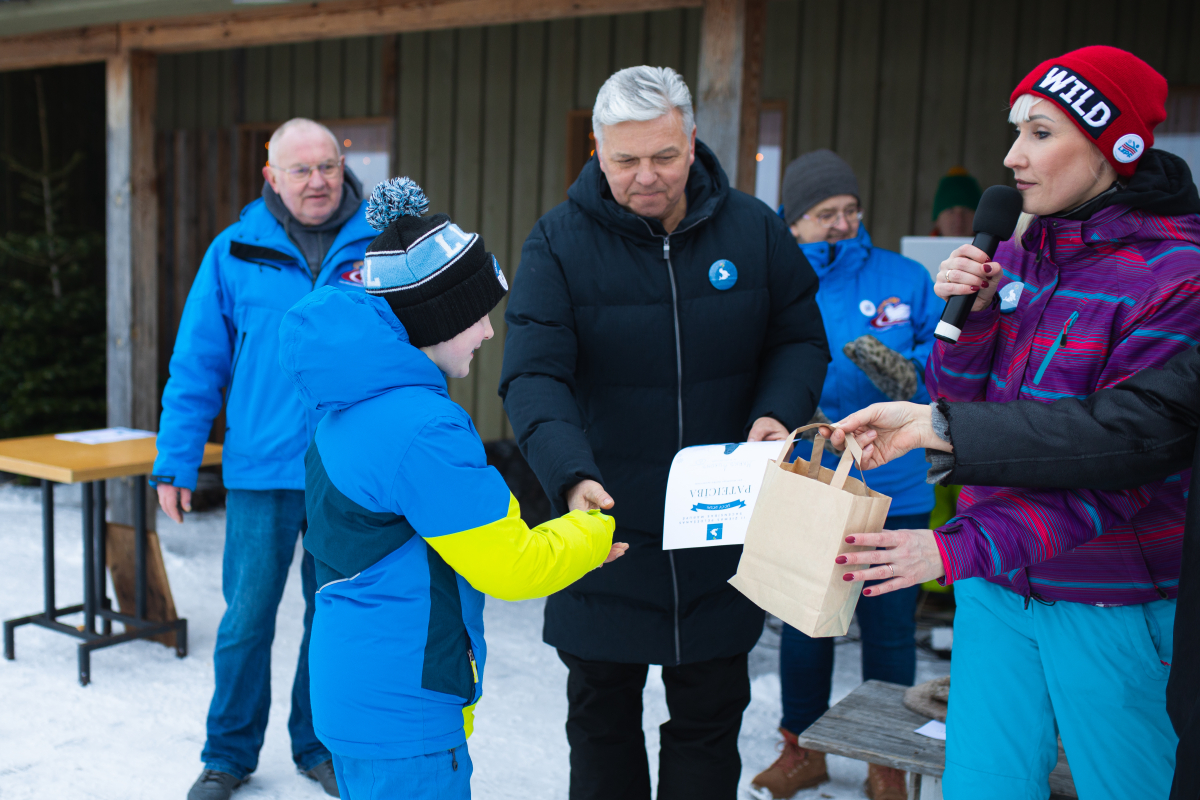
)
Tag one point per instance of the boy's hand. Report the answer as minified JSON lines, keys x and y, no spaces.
{"x":587,"y":495}
{"x":618,"y":550}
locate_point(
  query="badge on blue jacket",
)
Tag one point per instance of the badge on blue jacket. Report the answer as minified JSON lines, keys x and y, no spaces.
{"x":722,"y":274}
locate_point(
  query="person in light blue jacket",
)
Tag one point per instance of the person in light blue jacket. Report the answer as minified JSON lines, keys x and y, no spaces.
{"x":880,"y":311}
{"x":409,"y":526}
{"x":306,"y":232}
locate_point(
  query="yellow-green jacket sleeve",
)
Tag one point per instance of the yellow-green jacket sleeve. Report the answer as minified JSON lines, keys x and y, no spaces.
{"x":510,"y":561}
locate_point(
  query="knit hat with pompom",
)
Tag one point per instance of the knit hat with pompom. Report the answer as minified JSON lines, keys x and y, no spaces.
{"x":438,"y":279}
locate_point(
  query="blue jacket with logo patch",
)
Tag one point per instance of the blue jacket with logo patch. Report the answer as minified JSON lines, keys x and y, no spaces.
{"x":866,"y":289}
{"x":409,"y":528}
{"x":228,"y":340}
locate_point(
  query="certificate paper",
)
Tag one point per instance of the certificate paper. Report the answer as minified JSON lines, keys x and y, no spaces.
{"x":105,"y":435}
{"x":711,"y":492}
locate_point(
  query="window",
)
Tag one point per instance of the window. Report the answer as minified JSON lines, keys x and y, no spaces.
{"x":769,"y":171}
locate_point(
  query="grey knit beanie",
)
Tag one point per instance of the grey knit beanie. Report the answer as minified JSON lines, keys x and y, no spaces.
{"x":814,"y":177}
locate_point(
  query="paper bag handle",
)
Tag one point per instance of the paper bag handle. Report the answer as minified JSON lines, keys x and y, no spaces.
{"x":851,"y":455}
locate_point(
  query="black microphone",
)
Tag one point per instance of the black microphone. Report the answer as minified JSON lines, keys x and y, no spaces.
{"x":995,"y":220}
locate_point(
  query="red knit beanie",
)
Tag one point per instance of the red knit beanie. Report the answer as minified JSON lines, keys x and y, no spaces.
{"x":1113,"y":96}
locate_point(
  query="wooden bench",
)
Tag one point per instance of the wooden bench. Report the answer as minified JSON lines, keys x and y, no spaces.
{"x":872,"y":724}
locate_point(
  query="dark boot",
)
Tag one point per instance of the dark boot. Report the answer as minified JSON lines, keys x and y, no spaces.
{"x":323,"y":774}
{"x":213,"y":785}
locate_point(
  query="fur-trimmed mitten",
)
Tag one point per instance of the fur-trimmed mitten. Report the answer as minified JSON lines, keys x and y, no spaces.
{"x":892,"y":373}
{"x":819,"y":418}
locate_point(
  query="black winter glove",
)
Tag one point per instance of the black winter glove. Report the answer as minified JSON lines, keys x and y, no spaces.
{"x":892,"y":373}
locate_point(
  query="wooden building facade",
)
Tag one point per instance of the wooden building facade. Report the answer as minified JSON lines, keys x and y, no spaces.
{"x":480,"y":117}
{"x":485,"y":103}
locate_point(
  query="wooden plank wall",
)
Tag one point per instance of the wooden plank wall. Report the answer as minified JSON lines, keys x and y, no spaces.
{"x":480,"y":123}
{"x":481,"y":113}
{"x":906,"y":89}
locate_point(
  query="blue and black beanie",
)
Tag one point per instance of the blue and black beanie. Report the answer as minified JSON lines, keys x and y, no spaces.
{"x":438,"y":279}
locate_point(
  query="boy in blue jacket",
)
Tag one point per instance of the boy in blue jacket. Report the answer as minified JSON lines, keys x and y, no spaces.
{"x":408,"y":524}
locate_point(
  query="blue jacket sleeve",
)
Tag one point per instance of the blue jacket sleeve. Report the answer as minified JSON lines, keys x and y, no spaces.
{"x":200,"y":369}
{"x":927,"y":310}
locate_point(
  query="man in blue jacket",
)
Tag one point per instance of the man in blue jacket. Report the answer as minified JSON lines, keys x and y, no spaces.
{"x":307,"y":231}
{"x":879,"y":311}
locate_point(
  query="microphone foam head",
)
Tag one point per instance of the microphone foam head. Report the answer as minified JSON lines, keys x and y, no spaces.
{"x":998,"y":211}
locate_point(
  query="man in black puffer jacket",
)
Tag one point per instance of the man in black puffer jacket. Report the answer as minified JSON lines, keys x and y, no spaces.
{"x":656,"y":309}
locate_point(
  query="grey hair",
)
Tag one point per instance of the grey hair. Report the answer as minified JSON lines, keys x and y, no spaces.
{"x":299,"y":122}
{"x":641,"y":94}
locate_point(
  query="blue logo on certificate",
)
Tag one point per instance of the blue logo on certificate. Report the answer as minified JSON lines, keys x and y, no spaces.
{"x":722,"y":274}
{"x":714,"y":531}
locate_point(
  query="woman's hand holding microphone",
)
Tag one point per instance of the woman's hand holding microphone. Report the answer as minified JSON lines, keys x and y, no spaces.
{"x":968,"y":271}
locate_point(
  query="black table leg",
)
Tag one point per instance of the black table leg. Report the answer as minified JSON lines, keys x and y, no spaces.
{"x":48,"y":545}
{"x":102,"y":600}
{"x":89,"y":561}
{"x":95,"y":594}
{"x":139,"y":524}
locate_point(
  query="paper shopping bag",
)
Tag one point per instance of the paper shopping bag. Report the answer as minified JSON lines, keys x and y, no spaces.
{"x":799,"y":526}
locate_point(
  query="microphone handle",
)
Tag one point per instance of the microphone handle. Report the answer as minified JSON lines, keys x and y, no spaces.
{"x":958,"y":308}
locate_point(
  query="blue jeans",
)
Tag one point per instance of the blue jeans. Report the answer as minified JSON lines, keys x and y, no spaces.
{"x":889,"y":648}
{"x":1025,"y":674}
{"x":260,"y":538}
{"x":437,"y":776}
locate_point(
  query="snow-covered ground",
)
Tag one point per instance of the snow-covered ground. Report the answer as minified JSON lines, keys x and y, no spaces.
{"x":137,"y":730}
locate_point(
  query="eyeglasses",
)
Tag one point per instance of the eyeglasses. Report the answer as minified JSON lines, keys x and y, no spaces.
{"x":302,"y":172}
{"x":827,"y":219}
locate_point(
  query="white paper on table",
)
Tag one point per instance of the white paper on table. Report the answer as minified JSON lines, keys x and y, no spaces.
{"x":105,"y":435}
{"x":711,"y":492}
{"x":933,"y":729}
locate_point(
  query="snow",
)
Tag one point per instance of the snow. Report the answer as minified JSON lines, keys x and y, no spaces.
{"x":137,"y":730}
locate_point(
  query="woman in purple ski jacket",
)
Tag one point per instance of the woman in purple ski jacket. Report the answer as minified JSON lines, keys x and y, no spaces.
{"x":1066,"y":598}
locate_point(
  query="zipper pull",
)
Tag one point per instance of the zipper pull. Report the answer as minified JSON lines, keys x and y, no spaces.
{"x":1067,"y":326}
{"x":666,"y":248}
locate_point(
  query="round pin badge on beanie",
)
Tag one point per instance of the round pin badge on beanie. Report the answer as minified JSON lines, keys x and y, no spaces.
{"x":722,"y":274}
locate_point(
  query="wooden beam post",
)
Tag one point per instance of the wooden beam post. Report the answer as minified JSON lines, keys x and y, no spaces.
{"x":132,"y":253}
{"x":729,"y":96}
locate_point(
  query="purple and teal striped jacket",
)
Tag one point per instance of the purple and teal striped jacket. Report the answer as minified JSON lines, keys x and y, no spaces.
{"x":1102,"y":299}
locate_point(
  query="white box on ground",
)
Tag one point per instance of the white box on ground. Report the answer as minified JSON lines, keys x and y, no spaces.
{"x":930,"y":251}
{"x":711,"y":492}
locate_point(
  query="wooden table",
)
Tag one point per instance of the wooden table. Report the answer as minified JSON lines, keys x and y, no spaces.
{"x":58,"y":461}
{"x":872,"y":724}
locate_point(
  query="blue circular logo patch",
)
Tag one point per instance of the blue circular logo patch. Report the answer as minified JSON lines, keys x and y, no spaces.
{"x":722,"y":274}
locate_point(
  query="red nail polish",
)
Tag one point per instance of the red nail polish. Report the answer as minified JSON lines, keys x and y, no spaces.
{"x":848,"y":577}
{"x":986,"y":284}
{"x":866,"y":591}
{"x":840,"y":559}
{"x":849,"y":540}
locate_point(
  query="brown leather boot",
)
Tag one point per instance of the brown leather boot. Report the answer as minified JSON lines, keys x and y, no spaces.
{"x":795,"y":769}
{"x":886,"y":783}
